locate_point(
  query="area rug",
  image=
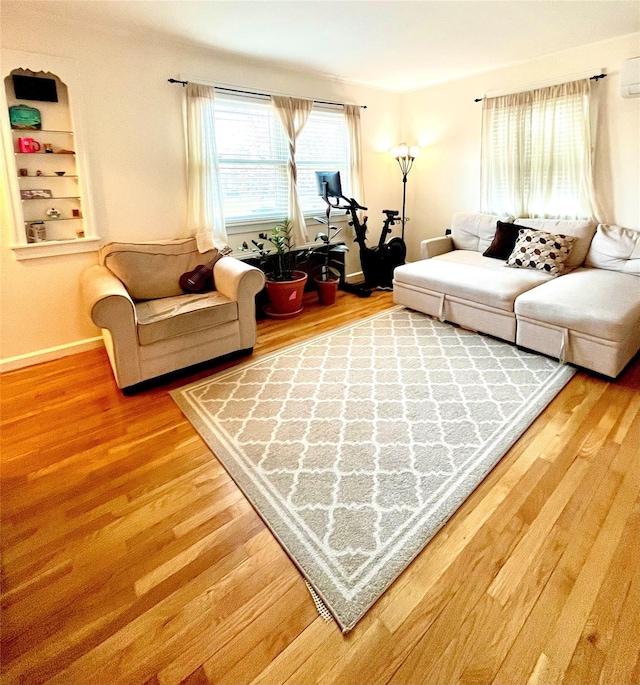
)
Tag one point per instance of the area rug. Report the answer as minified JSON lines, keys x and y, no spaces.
{"x":355,"y":447}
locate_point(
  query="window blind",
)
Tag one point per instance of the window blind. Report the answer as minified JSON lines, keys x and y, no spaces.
{"x":536,"y":153}
{"x":323,"y":145}
{"x":253,"y":154}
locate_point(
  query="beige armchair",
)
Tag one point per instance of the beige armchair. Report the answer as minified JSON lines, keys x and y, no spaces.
{"x":150,"y":327}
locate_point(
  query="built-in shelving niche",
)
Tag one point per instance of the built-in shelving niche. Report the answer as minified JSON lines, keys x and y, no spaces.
{"x":47,"y":174}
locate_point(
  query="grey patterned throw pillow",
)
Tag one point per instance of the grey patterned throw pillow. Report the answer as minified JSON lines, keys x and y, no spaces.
{"x":541,"y":250}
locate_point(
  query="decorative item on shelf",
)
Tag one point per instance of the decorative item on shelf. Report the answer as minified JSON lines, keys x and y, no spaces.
{"x":39,"y":172}
{"x":36,"y":194}
{"x":60,"y":173}
{"x":405,"y":157}
{"x":75,"y":213}
{"x":24,"y":172}
{"x":65,"y":152}
{"x":36,"y":232}
{"x":53,"y":213}
{"x":23,"y":117}
{"x":28,"y":145}
{"x":34,"y":88}
{"x":80,"y":233}
{"x":48,"y":147}
{"x":285,"y":285}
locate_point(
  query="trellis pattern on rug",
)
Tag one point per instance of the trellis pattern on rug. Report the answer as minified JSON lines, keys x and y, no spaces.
{"x":355,"y":447}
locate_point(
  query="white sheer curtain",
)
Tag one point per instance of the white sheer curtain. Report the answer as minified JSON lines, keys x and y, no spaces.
{"x":293,"y":113}
{"x":205,"y":216}
{"x":356,"y":183}
{"x":537,"y":152}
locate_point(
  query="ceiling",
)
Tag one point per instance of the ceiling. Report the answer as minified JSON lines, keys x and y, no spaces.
{"x":395,"y":45}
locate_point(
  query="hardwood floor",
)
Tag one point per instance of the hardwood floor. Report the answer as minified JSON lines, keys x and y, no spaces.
{"x":129,"y":555}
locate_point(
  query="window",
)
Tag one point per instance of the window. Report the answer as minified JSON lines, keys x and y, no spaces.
{"x":322,"y":146}
{"x":253,"y":155}
{"x":536,"y":153}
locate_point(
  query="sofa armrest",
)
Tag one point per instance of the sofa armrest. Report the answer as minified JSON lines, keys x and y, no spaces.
{"x":435,"y":246}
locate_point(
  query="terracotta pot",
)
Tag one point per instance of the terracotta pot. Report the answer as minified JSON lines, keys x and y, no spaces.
{"x":285,"y":297}
{"x":327,"y":290}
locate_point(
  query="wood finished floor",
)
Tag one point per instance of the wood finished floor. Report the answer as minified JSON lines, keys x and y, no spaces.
{"x":129,"y":556}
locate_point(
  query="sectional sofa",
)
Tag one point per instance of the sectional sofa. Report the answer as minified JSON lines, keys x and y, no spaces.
{"x":580,"y":305}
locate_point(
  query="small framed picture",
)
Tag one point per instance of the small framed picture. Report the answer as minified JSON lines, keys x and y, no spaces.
{"x":36,"y":194}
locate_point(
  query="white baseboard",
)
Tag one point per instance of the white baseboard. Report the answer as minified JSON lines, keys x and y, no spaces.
{"x":22,"y":360}
{"x":354,"y":277}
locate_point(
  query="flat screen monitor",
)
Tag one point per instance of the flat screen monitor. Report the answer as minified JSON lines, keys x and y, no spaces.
{"x":328,"y":183}
{"x":35,"y":88}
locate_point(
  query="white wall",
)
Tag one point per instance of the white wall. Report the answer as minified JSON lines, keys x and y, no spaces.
{"x":133,"y":131}
{"x":135,"y":151}
{"x":446,"y":120}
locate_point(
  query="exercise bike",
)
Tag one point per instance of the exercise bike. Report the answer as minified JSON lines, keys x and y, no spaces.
{"x":378,"y":263}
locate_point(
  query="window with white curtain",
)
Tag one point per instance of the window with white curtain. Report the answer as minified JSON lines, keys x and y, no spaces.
{"x":253,"y":154}
{"x":537,"y":151}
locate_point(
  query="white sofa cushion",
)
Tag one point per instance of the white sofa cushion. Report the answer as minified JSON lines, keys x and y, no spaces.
{"x":600,"y":303}
{"x":581,"y":229}
{"x":468,"y":275}
{"x":615,"y":248}
{"x":474,"y":230}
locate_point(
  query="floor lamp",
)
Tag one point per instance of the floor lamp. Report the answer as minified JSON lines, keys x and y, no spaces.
{"x":404,"y":156}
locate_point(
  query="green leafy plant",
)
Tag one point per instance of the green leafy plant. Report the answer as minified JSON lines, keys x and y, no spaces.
{"x":278,"y":262}
{"x":328,"y":268}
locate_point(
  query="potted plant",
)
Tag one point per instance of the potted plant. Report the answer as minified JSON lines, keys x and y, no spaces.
{"x":328,"y":275}
{"x":285,"y":284}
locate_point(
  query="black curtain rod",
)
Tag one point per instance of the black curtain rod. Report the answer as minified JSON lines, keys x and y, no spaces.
{"x":263,"y":95}
{"x":597,"y":77}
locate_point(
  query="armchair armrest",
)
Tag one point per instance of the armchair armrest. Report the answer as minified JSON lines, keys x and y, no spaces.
{"x":432,"y":247}
{"x":111,"y":309}
{"x":236,"y":279}
{"x":107,"y":300}
{"x":240,"y":282}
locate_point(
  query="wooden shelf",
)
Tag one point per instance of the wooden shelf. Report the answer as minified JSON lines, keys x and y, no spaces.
{"x":59,"y":133}
{"x":48,"y":176}
{"x":40,"y":130}
{"x":60,"y":197}
{"x":50,"y":154}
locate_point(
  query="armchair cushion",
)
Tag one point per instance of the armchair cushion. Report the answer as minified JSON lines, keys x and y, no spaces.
{"x":169,"y":317}
{"x":152,"y":270}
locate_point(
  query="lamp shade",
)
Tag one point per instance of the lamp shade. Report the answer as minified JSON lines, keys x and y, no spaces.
{"x":403,"y":151}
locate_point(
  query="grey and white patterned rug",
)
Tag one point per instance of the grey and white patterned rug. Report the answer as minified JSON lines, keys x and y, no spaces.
{"x":355,"y":447}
